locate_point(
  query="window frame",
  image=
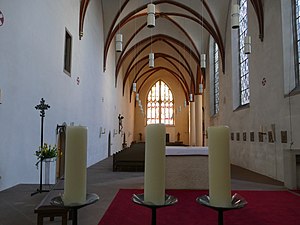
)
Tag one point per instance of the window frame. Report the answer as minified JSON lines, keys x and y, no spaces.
{"x":160,"y":102}
{"x":68,"y":52}
{"x":242,"y":57}
{"x":216,"y":82}
{"x":296,"y":41}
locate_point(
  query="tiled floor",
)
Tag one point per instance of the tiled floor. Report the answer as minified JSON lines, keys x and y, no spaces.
{"x":17,"y":205}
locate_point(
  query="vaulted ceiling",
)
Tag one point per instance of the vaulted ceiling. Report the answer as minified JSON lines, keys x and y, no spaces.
{"x":180,"y":36}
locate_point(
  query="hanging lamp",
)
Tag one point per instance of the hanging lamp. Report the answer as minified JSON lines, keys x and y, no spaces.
{"x":203,"y":56}
{"x":134,"y":87}
{"x":151,"y":60}
{"x":200,"y":88}
{"x":150,"y":15}
{"x":119,"y":37}
{"x":203,"y":60}
{"x":119,"y":42}
{"x":191,"y":97}
{"x":235,"y":11}
{"x":247,"y":44}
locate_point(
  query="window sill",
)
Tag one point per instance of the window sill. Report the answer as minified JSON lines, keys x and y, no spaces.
{"x":242,"y":107}
{"x":67,"y":72}
{"x":214,"y":115}
{"x":295,"y":91}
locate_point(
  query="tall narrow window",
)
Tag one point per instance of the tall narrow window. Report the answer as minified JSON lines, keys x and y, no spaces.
{"x":68,"y":53}
{"x":160,"y":104}
{"x":243,"y":58}
{"x":296,"y":16}
{"x":216,"y":78}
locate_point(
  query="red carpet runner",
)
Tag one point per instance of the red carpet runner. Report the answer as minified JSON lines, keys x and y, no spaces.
{"x":263,"y":208}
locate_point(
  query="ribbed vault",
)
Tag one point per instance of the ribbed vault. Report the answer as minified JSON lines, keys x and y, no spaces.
{"x":182,"y":32}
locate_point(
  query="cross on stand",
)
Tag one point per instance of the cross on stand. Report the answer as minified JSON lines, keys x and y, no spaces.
{"x":42,"y":107}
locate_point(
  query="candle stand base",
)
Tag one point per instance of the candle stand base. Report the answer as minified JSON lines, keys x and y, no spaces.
{"x":38,"y":191}
{"x":73,"y":208}
{"x":237,"y":202}
{"x":139,"y":199}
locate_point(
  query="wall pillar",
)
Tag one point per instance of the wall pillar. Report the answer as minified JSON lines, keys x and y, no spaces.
{"x":198,"y":119}
{"x":192,"y":126}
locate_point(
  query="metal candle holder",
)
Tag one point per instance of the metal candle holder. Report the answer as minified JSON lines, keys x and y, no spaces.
{"x":237,"y":202}
{"x":90,"y":199}
{"x":139,"y":199}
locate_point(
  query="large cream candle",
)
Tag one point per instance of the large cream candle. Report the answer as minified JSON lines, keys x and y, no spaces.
{"x":219,"y":166}
{"x":154,"y":179}
{"x":75,"y":165}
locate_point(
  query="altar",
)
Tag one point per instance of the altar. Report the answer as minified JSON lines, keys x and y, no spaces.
{"x":186,"y":167}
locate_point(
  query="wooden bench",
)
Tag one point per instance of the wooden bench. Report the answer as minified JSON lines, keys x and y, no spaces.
{"x":130,"y":159}
{"x":45,"y":209}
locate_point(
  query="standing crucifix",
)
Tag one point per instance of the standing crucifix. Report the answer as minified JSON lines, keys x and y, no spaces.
{"x":42,"y":107}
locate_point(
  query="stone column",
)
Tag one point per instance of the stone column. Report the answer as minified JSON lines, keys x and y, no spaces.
{"x":198,"y":119}
{"x":192,"y":124}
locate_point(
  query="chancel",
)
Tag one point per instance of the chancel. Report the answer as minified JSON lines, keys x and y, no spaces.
{"x":111,"y":69}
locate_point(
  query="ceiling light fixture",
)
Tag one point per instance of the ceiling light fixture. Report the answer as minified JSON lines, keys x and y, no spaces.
{"x":201,"y":88}
{"x":119,"y":36}
{"x":191,"y":97}
{"x":247,"y":44}
{"x":235,"y":11}
{"x":134,"y":87}
{"x":119,"y":42}
{"x":203,"y":61}
{"x":151,"y":24}
{"x":203,"y":56}
{"x":151,"y":15}
{"x":151,"y":59}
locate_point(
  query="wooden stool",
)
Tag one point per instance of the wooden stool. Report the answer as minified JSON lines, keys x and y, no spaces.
{"x":51,"y":211}
{"x":46,"y":209}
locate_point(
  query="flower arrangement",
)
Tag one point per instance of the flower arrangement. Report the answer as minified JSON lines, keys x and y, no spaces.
{"x":46,"y":152}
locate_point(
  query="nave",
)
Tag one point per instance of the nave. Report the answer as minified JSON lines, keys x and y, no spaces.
{"x":17,"y":205}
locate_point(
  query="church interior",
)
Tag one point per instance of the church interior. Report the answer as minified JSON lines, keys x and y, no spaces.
{"x":116,"y":66}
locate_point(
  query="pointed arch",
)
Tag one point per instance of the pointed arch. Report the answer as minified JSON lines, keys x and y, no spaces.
{"x":160,"y":104}
{"x":83,"y":7}
{"x":213,"y":30}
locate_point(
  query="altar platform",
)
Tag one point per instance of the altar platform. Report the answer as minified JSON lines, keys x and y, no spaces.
{"x":186,"y":167}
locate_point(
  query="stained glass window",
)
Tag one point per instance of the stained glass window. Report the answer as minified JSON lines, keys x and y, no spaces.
{"x":160,"y":104}
{"x":216,"y":78}
{"x":297,"y":37}
{"x":244,"y":62}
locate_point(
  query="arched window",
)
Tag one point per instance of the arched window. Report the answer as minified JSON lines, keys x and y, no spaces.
{"x":160,"y":104}
{"x":216,"y":77}
{"x":296,"y":17}
{"x":243,"y":58}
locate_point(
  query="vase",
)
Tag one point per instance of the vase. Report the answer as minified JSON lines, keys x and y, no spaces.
{"x":47,"y":162}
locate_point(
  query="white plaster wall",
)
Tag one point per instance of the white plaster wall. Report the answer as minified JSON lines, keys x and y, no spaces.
{"x":268,"y":104}
{"x":31,"y":68}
